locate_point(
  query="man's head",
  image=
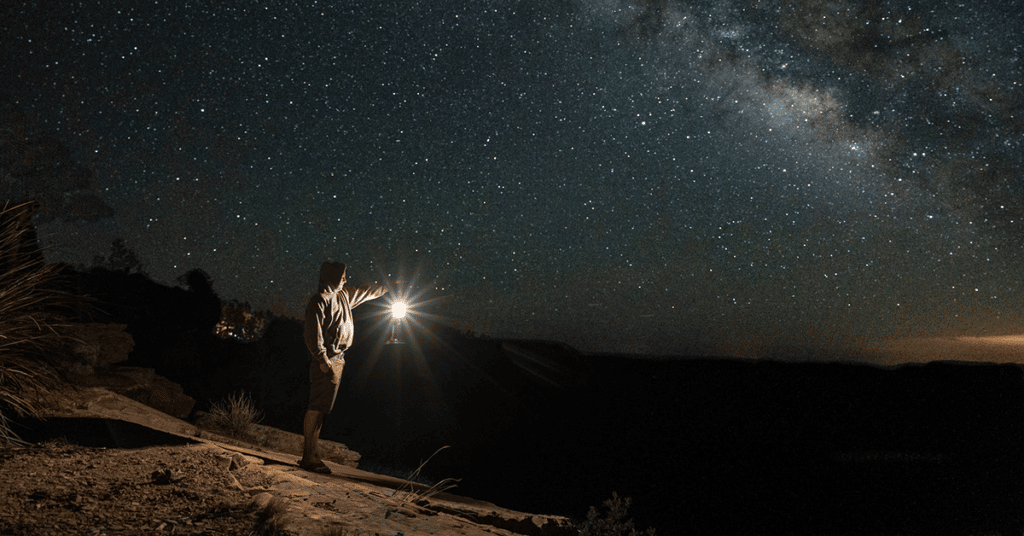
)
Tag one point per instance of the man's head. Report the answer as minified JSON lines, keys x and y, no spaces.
{"x":333,"y":276}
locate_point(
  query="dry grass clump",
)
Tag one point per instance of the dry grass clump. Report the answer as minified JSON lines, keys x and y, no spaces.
{"x":236,"y":415}
{"x":272,"y":518}
{"x":31,"y":307}
{"x":409,"y":493}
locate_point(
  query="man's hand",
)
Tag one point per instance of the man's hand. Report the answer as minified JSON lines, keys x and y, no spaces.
{"x":331,"y":365}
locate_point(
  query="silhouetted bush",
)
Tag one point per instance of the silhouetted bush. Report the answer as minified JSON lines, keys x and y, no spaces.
{"x":613,"y":521}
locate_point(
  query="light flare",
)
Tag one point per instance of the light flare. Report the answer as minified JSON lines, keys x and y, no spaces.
{"x":398,"y":310}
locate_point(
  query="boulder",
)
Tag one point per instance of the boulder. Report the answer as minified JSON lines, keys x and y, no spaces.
{"x":99,"y":348}
{"x":281,"y":441}
{"x":100,"y":345}
{"x":292,"y":443}
{"x":145,"y":386}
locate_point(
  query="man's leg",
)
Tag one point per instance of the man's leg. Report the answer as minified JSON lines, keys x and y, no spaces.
{"x":322,"y":393}
{"x":311,"y":426}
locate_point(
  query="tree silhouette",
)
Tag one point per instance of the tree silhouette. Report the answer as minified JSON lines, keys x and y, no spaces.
{"x":203,"y":305}
{"x":121,"y":259}
{"x":238,"y":321}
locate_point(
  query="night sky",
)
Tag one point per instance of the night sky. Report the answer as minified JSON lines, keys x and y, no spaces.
{"x":668,"y":177}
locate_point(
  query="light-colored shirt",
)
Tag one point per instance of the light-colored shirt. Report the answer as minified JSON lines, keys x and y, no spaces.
{"x":329,"y":328}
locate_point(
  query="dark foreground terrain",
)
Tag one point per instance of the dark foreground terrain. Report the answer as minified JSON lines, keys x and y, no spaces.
{"x":702,"y":445}
{"x":746,"y":447}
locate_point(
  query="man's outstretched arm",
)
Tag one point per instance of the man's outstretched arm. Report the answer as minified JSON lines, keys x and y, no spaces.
{"x":363,"y":293}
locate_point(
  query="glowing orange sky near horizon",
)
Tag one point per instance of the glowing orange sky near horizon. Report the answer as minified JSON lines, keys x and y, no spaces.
{"x":995,"y":349}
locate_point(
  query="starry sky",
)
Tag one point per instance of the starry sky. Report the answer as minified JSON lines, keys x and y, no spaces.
{"x":657,"y":176}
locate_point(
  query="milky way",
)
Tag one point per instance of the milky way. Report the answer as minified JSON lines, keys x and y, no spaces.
{"x":649,"y":176}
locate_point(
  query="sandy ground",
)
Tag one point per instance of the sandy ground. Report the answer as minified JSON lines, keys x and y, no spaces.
{"x":195,"y":482}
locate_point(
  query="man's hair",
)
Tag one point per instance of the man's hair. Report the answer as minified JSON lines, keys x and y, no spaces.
{"x":331,"y":273}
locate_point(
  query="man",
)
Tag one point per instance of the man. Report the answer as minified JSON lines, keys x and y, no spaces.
{"x":328,"y":333}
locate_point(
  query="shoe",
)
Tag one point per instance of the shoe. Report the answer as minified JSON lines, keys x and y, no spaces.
{"x":315,"y":467}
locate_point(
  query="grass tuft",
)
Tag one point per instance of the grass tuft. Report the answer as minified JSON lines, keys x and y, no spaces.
{"x":408,"y":491}
{"x":236,"y":415}
{"x":272,"y":518}
{"x":32,"y":321}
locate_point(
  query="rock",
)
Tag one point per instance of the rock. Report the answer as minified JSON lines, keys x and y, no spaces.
{"x":232,"y":462}
{"x":166,"y":476}
{"x":100,"y":345}
{"x":223,"y":462}
{"x":143,"y":385}
{"x":277,"y":440}
{"x":292,"y":443}
{"x":261,"y":500}
{"x":239,"y":460}
{"x":514,"y":522}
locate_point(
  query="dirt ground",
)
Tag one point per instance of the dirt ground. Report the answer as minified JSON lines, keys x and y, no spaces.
{"x":59,"y":488}
{"x":196,"y":483}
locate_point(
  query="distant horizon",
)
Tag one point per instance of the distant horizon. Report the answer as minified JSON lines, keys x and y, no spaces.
{"x":893,"y":351}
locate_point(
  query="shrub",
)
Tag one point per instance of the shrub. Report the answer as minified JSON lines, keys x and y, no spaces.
{"x":614,"y":521}
{"x":31,"y":319}
{"x":236,"y":415}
